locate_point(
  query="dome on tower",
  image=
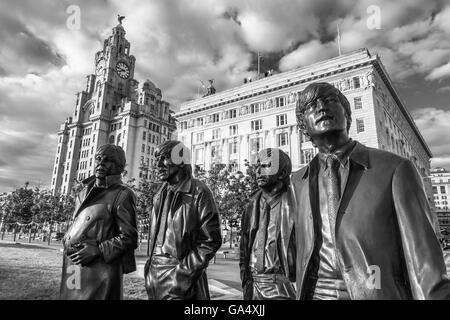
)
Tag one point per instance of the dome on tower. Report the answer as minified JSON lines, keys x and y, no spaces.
{"x":149,"y":85}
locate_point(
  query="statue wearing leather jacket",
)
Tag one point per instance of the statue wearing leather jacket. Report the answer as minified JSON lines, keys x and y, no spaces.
{"x":267,"y":246}
{"x":184,"y":230}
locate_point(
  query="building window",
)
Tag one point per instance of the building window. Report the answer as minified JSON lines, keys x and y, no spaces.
{"x":282,"y":139}
{"x":233,"y":147}
{"x":359,"y":125}
{"x":199,"y":121}
{"x":443,"y":189}
{"x":233,"y":166}
{"x":233,"y":130}
{"x":200,"y":137}
{"x":256,"y":125}
{"x":356,"y":83}
{"x":254,"y":107}
{"x":281,"y":120}
{"x":118,"y":138}
{"x":308,"y":155}
{"x":358,"y":103}
{"x":280,"y":101}
{"x":143,"y":148}
{"x":435,"y":190}
{"x":144,"y":135}
{"x":256,"y":144}
{"x":199,"y":156}
{"x":233,"y":113}
{"x":216,"y":134}
{"x":215,"y":117}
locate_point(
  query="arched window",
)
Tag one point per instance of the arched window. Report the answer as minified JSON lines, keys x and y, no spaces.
{"x":111,"y":140}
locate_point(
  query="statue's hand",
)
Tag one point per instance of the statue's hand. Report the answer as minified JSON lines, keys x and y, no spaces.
{"x":85,"y":255}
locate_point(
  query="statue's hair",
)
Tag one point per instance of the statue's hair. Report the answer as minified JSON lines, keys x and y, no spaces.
{"x":183,"y":155}
{"x":311,"y":93}
{"x":284,"y":162}
{"x":117,"y":154}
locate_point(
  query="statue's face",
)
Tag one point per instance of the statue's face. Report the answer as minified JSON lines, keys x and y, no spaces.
{"x":324,"y":115}
{"x":106,"y":164}
{"x":264,"y":173}
{"x":167,"y":169}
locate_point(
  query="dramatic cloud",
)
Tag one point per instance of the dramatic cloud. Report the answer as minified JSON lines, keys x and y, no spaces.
{"x":44,"y":60}
{"x":434,"y":125}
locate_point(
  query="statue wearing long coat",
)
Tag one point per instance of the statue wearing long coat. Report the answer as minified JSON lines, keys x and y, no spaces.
{"x":105,"y":217}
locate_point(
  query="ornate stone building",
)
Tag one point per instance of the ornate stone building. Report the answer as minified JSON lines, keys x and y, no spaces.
{"x":112,"y":109}
{"x":440,"y":180}
{"x":232,"y":126}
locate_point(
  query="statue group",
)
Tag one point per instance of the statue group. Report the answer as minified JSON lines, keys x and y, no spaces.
{"x":325,"y":232}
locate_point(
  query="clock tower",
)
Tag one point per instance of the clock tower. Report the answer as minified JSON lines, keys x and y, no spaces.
{"x":112,"y":110}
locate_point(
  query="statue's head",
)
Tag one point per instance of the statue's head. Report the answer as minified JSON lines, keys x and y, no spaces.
{"x":322,"y":108}
{"x":109,"y":160}
{"x":273,"y":166}
{"x":173,"y":161}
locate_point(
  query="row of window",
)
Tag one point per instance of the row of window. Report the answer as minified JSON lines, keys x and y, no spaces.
{"x":257,"y":125}
{"x":256,"y":145}
{"x":154,"y":127}
{"x":151,"y":138}
{"x":233,"y":129}
{"x":233,"y":113}
{"x":442,"y":190}
{"x":86,"y":142}
{"x":116,"y":126}
{"x":87,"y":131}
{"x":252,"y":108}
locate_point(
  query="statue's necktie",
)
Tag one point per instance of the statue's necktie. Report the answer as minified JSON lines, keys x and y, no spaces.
{"x":262,"y":238}
{"x":333,"y":191}
{"x":168,"y":197}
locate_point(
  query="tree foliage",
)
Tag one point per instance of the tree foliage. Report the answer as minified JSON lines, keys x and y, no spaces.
{"x":25,"y":205}
{"x":231,"y":190}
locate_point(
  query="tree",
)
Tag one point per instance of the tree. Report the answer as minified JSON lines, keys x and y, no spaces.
{"x":231,"y":191}
{"x":145,"y":190}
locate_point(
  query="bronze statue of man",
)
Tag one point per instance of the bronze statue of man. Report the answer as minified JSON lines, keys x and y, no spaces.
{"x":99,"y":245}
{"x":267,"y":246}
{"x":363,"y":217}
{"x":184,"y":230}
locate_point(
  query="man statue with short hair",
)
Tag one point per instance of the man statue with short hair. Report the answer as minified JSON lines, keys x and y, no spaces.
{"x":363,"y":225}
{"x":184,"y":230}
{"x":99,"y":245}
{"x":267,"y":246}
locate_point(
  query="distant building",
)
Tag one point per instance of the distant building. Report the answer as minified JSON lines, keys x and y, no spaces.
{"x":440,"y":180}
{"x":112,"y":109}
{"x":231,"y":126}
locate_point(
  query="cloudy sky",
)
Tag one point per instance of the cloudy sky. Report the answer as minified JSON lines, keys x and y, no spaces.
{"x":44,"y":58}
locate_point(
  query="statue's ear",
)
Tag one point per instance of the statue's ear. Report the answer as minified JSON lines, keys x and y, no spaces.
{"x":282,"y":174}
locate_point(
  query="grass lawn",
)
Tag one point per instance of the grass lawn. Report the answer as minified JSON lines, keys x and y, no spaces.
{"x":34,"y":272}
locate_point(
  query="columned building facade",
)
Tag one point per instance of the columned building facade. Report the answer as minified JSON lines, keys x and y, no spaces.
{"x":440,"y":180}
{"x":112,"y":109}
{"x":231,"y":126}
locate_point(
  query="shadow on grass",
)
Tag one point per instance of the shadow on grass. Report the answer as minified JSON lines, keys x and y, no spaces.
{"x":24,"y":246}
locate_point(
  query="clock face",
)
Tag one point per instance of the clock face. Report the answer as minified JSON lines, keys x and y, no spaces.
{"x":99,"y":67}
{"x":122,"y":70}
